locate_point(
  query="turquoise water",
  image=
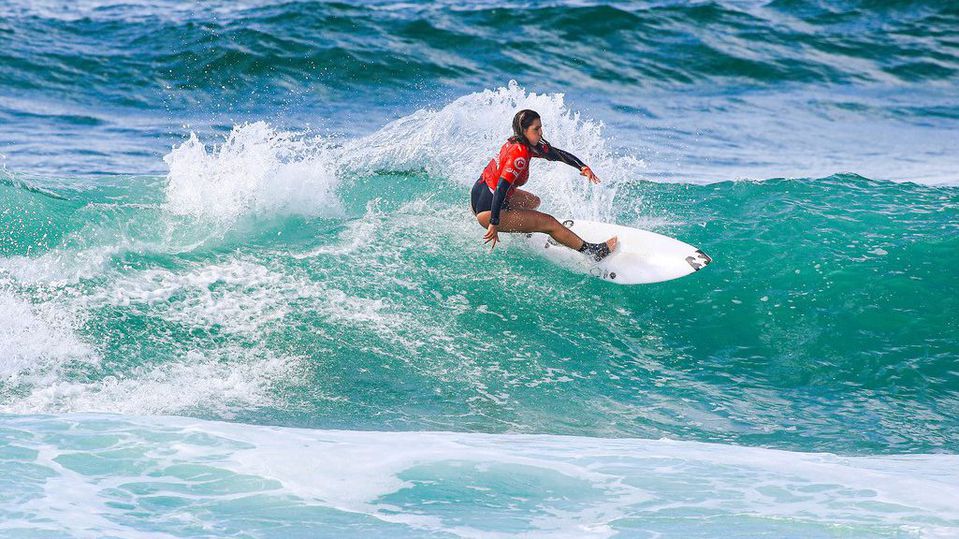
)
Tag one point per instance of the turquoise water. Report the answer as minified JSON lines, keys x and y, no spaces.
{"x":177,"y":477}
{"x":241,"y":292}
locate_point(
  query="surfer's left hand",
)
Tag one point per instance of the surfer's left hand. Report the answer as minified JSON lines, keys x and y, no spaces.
{"x":588,"y":172}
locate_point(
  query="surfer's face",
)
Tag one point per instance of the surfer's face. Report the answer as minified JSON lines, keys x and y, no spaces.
{"x":534,"y":132}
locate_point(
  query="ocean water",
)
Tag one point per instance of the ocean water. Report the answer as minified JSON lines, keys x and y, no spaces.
{"x":242,"y":294}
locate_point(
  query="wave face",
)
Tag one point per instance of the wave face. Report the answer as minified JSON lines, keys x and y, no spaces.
{"x":171,"y":477}
{"x":342,"y":283}
{"x":256,"y":213}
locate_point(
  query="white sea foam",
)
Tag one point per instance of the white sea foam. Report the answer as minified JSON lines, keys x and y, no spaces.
{"x":61,"y":266}
{"x":458,"y":140}
{"x":224,"y":476}
{"x":260,"y":170}
{"x":36,"y":340}
{"x":217,"y":381}
{"x":257,"y":169}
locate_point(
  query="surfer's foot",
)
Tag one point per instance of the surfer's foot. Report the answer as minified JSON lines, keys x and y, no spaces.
{"x":611,"y":243}
{"x":599,"y":251}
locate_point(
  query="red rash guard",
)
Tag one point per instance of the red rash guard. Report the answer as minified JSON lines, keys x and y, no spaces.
{"x":511,"y":166}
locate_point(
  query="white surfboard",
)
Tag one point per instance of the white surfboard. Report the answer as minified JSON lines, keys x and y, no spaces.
{"x":641,"y":256}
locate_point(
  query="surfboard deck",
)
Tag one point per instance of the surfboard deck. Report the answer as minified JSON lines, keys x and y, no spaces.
{"x":642,"y":257}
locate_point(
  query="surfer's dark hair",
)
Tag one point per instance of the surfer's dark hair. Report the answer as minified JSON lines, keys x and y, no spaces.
{"x":521,"y":122}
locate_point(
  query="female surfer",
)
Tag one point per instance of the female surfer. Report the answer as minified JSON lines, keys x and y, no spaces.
{"x":500,"y":206}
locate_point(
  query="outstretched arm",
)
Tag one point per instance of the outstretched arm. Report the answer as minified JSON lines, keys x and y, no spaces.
{"x":555,"y":154}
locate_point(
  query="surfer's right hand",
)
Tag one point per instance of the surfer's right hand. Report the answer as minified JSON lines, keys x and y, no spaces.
{"x":491,"y":236}
{"x":588,"y":173}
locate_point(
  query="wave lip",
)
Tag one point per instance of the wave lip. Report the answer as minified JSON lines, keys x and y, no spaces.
{"x":260,"y":170}
{"x":256,"y":169}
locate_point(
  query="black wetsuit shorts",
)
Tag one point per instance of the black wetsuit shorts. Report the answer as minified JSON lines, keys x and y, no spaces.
{"x":481,"y":198}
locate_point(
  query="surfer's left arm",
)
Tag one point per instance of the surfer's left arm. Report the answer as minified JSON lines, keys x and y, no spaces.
{"x":555,"y":154}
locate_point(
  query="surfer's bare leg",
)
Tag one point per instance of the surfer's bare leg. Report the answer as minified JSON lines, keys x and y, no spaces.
{"x":516,"y":220}
{"x":523,"y":200}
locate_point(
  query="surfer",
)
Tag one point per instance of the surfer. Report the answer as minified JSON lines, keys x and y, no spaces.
{"x":500,"y":206}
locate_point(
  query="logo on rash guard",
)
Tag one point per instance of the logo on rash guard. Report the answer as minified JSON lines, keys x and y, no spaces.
{"x":519,"y":163}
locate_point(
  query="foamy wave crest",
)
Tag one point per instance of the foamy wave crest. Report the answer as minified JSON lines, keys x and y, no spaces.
{"x":257,"y":169}
{"x":457,"y":141}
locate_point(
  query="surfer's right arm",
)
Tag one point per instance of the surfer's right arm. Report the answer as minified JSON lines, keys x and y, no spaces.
{"x":499,"y":196}
{"x":514,"y":164}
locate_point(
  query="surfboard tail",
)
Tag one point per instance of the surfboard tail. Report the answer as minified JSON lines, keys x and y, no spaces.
{"x":699,"y":260}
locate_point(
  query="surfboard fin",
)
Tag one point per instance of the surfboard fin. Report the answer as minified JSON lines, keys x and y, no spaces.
{"x":700,"y":261}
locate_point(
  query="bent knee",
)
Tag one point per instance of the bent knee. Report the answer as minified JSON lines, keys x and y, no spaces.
{"x":551,"y":224}
{"x":483,"y":218}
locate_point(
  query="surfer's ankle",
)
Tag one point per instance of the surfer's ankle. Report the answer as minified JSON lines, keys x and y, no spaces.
{"x":596,"y":251}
